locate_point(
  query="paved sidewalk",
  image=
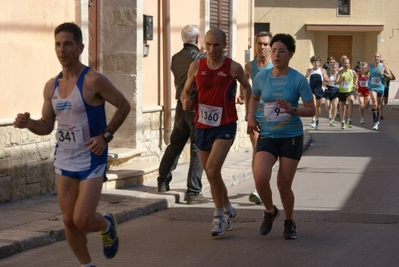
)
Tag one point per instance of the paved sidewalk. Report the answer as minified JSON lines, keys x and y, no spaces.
{"x":34,"y":222}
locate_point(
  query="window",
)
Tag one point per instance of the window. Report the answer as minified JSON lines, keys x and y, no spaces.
{"x":260,"y":27}
{"x":220,"y":17}
{"x":344,"y":8}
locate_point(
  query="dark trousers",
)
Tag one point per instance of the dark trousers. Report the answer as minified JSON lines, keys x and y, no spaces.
{"x":183,"y":129}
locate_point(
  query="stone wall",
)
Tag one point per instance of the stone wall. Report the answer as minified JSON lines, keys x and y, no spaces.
{"x":26,"y":168}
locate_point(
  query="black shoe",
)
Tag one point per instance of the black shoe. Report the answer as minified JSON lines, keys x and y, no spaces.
{"x":198,"y":199}
{"x":268,"y":219}
{"x":289,"y":229}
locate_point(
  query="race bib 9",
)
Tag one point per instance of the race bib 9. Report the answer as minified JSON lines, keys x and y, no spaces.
{"x":273,"y":112}
{"x":209,"y":115}
{"x":69,"y":136}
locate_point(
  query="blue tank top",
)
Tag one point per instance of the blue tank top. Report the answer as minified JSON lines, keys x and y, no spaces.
{"x":376,"y":80}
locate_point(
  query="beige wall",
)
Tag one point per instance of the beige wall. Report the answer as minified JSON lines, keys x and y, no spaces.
{"x":27,"y":54}
{"x":179,"y":17}
{"x":28,"y":57}
{"x":291,"y":16}
{"x":153,"y":64}
{"x":28,"y":62}
{"x":152,"y":71}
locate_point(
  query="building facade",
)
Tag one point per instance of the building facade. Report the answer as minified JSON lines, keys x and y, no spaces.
{"x":130,"y":41}
{"x":326,"y":28}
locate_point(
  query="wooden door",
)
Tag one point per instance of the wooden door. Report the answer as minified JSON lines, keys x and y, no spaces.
{"x":94,"y":24}
{"x":339,"y":45}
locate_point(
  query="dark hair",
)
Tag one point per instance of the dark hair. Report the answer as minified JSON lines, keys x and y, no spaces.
{"x":315,"y":58}
{"x":70,"y":27}
{"x":264,"y":33}
{"x":286,"y":39}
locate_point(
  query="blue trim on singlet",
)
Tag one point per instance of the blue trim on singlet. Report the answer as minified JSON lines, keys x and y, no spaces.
{"x":232,"y":91}
{"x":96,"y":120}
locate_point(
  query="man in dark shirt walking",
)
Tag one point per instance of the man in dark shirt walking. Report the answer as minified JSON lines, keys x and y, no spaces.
{"x":184,"y":127}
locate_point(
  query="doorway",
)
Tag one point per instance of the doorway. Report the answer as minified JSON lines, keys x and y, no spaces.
{"x":339,"y":45}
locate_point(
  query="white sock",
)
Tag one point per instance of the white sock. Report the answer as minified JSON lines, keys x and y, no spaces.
{"x":228,"y":208}
{"x":270,"y":211}
{"x":218,"y":213}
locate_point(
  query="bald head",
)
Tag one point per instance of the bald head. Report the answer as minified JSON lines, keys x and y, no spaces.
{"x":216,"y":32}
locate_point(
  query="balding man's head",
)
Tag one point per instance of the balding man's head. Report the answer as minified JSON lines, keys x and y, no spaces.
{"x":217,"y":32}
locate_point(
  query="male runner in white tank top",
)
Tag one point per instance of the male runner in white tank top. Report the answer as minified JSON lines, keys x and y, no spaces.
{"x":76,"y":98}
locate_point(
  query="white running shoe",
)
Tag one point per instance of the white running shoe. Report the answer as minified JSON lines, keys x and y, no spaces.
{"x":218,"y":226}
{"x":313,"y":124}
{"x":254,"y":197}
{"x":375,"y":127}
{"x":361,"y":121}
{"x":230,"y":218}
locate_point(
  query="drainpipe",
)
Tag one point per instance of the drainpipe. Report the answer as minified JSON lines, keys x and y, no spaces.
{"x":167,"y":103}
{"x":251,"y":23}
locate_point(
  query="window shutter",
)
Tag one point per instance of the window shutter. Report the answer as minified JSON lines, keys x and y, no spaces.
{"x":220,"y":17}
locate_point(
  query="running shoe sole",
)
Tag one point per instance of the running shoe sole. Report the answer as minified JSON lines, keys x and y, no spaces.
{"x":254,"y":198}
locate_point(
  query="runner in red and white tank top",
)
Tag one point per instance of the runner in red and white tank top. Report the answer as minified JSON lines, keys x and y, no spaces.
{"x":216,"y":91}
{"x":215,"y":77}
{"x":363,"y":90}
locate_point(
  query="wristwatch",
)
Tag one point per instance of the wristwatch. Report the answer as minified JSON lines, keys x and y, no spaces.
{"x":108,"y":136}
{"x":293,"y":111}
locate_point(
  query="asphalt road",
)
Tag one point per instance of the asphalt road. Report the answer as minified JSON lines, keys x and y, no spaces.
{"x":346,"y":190}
